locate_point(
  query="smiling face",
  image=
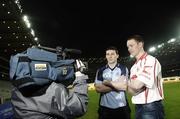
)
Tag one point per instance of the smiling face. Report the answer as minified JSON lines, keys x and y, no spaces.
{"x":111,"y":56}
{"x":135,"y":48}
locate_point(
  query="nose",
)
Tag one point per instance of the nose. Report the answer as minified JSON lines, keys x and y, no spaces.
{"x":110,"y":56}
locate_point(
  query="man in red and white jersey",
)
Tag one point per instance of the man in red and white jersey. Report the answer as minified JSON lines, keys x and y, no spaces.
{"x":145,"y":84}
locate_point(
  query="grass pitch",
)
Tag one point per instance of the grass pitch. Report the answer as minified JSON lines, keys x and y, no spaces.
{"x":171,"y":101}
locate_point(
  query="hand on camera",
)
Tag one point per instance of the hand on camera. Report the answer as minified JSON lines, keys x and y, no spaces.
{"x":80,"y":66}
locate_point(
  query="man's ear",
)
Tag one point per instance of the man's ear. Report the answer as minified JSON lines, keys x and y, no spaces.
{"x":117,"y":55}
{"x":141,"y":44}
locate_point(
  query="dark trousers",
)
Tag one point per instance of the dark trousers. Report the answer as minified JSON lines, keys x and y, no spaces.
{"x":118,"y":113}
{"x":154,"y":110}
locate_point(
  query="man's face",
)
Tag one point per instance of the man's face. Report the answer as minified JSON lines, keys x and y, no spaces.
{"x":134,"y":47}
{"x":111,"y":56}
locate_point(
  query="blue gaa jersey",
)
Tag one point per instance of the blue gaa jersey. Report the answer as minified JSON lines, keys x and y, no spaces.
{"x":112,"y":99}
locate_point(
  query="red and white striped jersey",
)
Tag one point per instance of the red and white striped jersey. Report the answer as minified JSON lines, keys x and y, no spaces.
{"x":148,"y":70}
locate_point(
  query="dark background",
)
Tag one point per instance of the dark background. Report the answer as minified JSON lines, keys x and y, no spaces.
{"x":93,"y":26}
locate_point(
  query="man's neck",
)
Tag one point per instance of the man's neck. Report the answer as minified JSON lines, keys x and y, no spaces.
{"x":112,"y":65}
{"x":141,"y":53}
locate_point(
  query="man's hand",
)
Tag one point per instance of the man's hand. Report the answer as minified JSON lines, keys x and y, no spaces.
{"x":80,"y":66}
{"x":80,"y":76}
{"x":107,"y":83}
{"x":120,"y":83}
{"x":78,"y":73}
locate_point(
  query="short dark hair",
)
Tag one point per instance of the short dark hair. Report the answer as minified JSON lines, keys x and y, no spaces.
{"x":137,"y":38}
{"x":113,"y":48}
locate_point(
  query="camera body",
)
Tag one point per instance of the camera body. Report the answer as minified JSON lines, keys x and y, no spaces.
{"x":38,"y":66}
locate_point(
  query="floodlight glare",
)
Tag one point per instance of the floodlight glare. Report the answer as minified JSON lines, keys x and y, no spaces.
{"x":171,"y":40}
{"x":152,"y":49}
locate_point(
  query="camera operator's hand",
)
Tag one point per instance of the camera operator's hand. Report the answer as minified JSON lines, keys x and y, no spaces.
{"x":80,"y":66}
{"x":78,"y":74}
{"x":81,"y":76}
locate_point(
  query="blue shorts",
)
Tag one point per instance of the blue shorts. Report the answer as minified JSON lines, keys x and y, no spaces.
{"x":154,"y":110}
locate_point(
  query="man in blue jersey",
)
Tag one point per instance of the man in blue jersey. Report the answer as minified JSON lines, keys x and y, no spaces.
{"x":111,"y":83}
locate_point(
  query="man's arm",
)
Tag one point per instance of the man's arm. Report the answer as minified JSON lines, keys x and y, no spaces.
{"x":120,"y":84}
{"x":101,"y":88}
{"x":99,"y":85}
{"x":77,"y":101}
{"x":135,"y":87}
